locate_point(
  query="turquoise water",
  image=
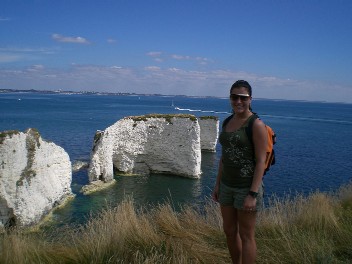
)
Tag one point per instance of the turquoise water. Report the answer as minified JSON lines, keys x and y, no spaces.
{"x":313,"y":150}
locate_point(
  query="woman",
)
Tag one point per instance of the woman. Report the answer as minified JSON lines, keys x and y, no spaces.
{"x":238,"y":186}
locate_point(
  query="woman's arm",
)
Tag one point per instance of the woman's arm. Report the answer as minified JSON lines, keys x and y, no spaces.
{"x":260,"y":142}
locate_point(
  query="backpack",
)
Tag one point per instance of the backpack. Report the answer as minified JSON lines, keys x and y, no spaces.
{"x":270,"y":153}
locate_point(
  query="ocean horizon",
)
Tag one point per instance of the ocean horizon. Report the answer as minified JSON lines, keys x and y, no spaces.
{"x":68,"y":92}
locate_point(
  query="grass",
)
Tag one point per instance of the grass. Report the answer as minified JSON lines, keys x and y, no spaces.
{"x":313,"y":229}
{"x":8,"y":133}
{"x":167,"y":117}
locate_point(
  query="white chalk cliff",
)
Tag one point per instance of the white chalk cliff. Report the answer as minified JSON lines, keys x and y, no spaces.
{"x":149,"y":144}
{"x":35,"y":177}
{"x":209,"y":132}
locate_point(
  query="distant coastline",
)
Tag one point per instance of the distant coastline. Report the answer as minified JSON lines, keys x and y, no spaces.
{"x":94,"y":93}
{"x":2,"y":91}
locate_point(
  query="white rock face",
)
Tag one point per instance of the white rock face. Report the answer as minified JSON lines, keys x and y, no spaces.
{"x":147,"y":144}
{"x":209,"y":132}
{"x":35,"y":177}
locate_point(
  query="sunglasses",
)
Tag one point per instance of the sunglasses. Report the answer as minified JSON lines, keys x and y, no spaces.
{"x":242,"y":97}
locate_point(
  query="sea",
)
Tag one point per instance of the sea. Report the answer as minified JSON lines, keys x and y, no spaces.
{"x":313,"y":149}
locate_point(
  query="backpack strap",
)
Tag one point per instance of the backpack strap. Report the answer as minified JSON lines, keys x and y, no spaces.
{"x":227,"y":119}
{"x":249,"y":128}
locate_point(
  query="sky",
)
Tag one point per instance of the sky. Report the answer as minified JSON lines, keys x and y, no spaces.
{"x":291,"y":50}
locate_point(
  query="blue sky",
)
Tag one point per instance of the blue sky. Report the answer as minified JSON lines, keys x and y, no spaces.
{"x":295,"y":50}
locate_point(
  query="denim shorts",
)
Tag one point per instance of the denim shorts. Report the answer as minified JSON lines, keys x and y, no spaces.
{"x":232,"y":196}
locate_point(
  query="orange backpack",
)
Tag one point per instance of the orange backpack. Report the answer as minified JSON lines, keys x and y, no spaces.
{"x":270,"y":153}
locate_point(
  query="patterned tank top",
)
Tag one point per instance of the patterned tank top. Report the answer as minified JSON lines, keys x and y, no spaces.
{"x":237,"y":157}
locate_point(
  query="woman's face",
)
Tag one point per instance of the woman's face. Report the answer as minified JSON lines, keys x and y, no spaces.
{"x":240,"y":100}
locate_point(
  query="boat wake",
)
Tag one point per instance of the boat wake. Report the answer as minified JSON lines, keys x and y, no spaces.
{"x":301,"y":118}
{"x":199,"y":110}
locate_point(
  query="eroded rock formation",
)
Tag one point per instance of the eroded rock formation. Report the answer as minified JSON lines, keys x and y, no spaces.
{"x":147,"y":144}
{"x":209,"y":132}
{"x":35,"y":177}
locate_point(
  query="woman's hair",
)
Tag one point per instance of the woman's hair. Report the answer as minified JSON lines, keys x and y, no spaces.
{"x":242,"y":83}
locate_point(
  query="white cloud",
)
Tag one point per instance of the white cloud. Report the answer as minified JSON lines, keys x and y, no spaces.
{"x":159,"y":56}
{"x":200,"y":60}
{"x":174,"y":70}
{"x":78,"y":40}
{"x":28,"y":50}
{"x":111,"y":41}
{"x":171,"y":81}
{"x":152,"y":68}
{"x":6,"y":58}
{"x":36,"y":67}
{"x":17,"y":54}
{"x":180,"y":57}
{"x":154,"y":53}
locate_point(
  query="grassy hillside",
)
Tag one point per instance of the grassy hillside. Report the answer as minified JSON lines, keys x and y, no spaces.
{"x":313,"y":229}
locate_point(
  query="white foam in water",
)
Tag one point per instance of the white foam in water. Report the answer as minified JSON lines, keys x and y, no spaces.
{"x":202,"y":111}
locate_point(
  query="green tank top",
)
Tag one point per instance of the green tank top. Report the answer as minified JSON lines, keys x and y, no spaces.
{"x":237,"y":157}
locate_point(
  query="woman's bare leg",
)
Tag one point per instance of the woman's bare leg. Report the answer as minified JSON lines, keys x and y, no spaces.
{"x":231,"y":229}
{"x":247,"y":221}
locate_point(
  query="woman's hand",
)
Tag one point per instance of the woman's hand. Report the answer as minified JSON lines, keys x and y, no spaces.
{"x":215,"y":194}
{"x":250,"y":203}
